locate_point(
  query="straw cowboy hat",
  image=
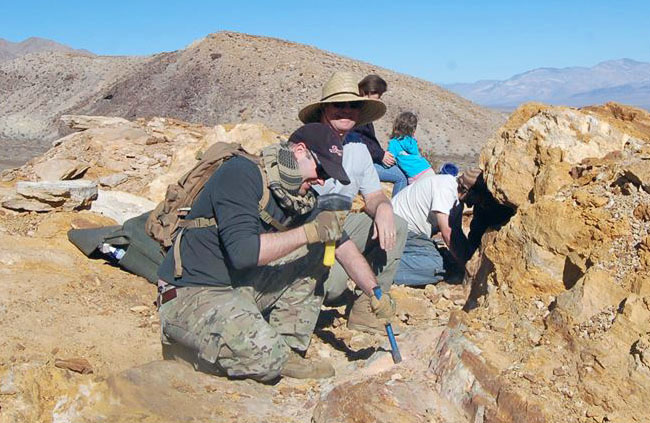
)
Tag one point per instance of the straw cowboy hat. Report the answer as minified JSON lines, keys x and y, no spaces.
{"x":342,"y":87}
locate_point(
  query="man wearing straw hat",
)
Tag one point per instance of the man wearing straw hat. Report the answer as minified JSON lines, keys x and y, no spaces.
{"x":376,"y":237}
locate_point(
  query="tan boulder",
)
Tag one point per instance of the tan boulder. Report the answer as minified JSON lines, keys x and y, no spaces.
{"x":51,"y":195}
{"x":251,"y":136}
{"x":62,"y":169}
{"x":86,"y":122}
{"x":568,"y":273}
{"x":585,"y":198}
{"x":538,"y":250}
{"x":515,"y":159}
{"x":592,"y":294}
{"x":639,"y":174}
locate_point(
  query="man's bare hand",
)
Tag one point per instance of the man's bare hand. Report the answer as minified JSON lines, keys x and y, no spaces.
{"x":388,"y":160}
{"x":384,"y":227}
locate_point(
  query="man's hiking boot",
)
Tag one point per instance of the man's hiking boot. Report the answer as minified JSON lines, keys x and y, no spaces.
{"x":298,"y":367}
{"x":362,"y":318}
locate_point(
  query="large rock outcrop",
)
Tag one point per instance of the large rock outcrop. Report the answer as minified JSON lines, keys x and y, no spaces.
{"x":560,"y":305}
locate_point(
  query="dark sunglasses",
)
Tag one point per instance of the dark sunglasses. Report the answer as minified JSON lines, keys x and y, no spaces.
{"x":320,"y":170}
{"x":348,"y":104}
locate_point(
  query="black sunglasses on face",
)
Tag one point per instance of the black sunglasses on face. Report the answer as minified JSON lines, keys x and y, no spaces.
{"x":320,"y":171}
{"x":348,"y":104}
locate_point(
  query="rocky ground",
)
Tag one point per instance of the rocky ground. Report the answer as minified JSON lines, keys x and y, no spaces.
{"x":552,"y":323}
{"x":223,"y":78}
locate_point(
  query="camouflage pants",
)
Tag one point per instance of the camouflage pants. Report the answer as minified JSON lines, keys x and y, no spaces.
{"x":248,"y":330}
{"x":360,"y":227}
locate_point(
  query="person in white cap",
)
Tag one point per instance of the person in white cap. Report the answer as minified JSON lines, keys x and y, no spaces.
{"x":376,"y":237}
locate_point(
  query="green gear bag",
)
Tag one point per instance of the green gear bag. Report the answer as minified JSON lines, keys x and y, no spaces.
{"x":143,"y":253}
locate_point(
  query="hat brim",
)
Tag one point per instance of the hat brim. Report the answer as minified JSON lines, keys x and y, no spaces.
{"x":334,"y":170}
{"x":370,"y":111}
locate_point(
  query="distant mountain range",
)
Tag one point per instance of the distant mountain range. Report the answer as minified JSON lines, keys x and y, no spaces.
{"x":624,"y":80}
{"x":10,"y":50}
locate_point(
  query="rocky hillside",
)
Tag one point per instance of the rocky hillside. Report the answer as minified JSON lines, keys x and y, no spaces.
{"x":223,"y":78}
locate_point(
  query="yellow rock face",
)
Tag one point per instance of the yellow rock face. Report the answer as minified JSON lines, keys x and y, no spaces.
{"x":573,"y":261}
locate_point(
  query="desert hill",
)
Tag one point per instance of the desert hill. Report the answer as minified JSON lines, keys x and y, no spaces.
{"x":224,"y":78}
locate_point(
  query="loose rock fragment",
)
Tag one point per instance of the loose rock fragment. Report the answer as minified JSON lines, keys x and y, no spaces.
{"x":642,"y":212}
{"x":140,"y":309}
{"x":60,"y":169}
{"x":113,"y":180}
{"x":78,"y":365}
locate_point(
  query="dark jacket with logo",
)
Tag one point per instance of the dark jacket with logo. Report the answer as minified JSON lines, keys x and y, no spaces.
{"x":366,"y":134}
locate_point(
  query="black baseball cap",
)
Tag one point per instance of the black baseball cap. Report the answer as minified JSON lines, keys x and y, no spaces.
{"x":326,"y":145}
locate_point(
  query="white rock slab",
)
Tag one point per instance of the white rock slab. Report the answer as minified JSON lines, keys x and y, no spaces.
{"x":67,"y":195}
{"x":120,"y":206}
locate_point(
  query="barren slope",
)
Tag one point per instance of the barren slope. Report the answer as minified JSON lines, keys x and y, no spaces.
{"x":226,"y":77}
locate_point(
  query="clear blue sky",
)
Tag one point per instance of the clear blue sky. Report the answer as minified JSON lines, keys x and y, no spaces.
{"x":440,"y":41}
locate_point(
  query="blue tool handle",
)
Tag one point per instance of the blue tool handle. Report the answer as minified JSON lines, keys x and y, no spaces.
{"x":377,"y":291}
{"x":397,"y":357}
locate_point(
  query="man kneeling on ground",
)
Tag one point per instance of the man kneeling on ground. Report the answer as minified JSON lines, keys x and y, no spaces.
{"x":435,"y":205}
{"x":248,"y":297}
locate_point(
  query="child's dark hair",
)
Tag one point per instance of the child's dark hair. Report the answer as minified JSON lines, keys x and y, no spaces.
{"x":404,"y":125}
{"x":372,"y":84}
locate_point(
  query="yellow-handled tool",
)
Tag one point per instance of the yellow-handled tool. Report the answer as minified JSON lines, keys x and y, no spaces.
{"x":332,"y":202}
{"x":328,"y":257}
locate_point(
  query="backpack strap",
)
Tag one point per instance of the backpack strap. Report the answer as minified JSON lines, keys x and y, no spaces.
{"x":178,"y":265}
{"x":199,"y":222}
{"x":264,"y":201}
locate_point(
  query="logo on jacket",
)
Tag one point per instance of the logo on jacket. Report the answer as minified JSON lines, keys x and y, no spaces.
{"x":336,"y":150}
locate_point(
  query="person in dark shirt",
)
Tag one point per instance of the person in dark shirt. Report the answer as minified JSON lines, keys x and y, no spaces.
{"x":373,"y":86}
{"x":247,"y":300}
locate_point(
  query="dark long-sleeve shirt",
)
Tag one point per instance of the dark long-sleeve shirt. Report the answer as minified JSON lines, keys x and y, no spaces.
{"x":217,"y":255}
{"x":366,"y":134}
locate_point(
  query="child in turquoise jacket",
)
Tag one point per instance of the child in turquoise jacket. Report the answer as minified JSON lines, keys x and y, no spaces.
{"x":404,"y":147}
